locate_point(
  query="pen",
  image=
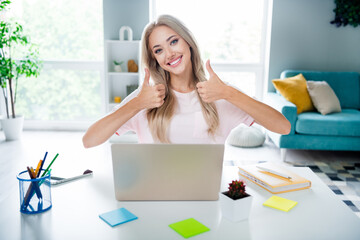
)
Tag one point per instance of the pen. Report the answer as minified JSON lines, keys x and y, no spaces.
{"x":274,"y":172}
{"x":64,"y":180}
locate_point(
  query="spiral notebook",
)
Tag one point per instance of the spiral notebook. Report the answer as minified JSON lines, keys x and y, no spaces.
{"x":271,"y":182}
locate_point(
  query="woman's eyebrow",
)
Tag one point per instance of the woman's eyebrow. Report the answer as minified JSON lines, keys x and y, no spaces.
{"x":166,"y":40}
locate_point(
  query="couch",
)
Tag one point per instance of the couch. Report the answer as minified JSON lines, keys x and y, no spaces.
{"x":313,"y":131}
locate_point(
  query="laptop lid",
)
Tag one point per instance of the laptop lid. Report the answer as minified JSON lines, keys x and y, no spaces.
{"x":167,"y":171}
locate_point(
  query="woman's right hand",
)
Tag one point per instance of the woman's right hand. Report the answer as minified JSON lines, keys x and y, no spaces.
{"x":151,"y":96}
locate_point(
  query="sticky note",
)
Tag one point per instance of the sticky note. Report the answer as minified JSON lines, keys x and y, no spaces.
{"x":117,"y":217}
{"x":189,"y":227}
{"x":280,"y":203}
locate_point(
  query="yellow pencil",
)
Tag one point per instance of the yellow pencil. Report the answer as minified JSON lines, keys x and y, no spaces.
{"x":38,"y":167}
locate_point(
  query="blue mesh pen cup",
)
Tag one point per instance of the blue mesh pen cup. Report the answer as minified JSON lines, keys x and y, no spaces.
{"x":35,"y":194}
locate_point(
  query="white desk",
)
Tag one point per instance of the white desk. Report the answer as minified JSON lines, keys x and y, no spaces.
{"x":76,"y":206}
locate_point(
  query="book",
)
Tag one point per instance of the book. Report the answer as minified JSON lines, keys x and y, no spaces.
{"x":280,"y":203}
{"x":118,"y":216}
{"x":272,"y":182}
{"x":189,"y":227}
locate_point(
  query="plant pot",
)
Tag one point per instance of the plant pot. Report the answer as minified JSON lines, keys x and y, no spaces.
{"x":12,"y":127}
{"x":235,"y":210}
{"x":117,"y":68}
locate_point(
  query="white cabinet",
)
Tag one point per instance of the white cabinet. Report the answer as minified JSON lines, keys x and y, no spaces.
{"x":116,"y":82}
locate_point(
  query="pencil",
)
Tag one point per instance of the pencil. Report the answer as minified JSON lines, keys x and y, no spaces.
{"x":38,"y":168}
{"x":42,"y":181}
{"x":45,"y":156}
{"x":29,"y":192}
{"x":47,"y":169}
{"x":42,"y":164}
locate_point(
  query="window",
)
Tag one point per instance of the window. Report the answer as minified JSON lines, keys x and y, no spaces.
{"x":70,"y":37}
{"x":231,"y":33}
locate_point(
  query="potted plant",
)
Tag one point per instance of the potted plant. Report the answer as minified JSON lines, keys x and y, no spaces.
{"x":117,"y":67}
{"x":26,"y":64}
{"x":235,"y":203}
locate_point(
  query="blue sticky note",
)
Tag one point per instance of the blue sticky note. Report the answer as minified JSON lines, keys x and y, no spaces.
{"x":118,"y":216}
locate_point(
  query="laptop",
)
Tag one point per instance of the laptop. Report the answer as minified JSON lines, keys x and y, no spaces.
{"x":167,"y":171}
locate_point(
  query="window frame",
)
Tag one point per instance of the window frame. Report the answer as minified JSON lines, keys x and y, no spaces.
{"x":68,"y":64}
{"x":97,"y":66}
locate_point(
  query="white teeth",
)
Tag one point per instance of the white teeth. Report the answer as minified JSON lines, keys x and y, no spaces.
{"x":173,"y":63}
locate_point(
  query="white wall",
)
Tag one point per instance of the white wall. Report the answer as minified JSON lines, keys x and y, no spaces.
{"x":303,"y":38}
{"x":118,"y":13}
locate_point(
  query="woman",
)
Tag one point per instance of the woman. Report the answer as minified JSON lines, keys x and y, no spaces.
{"x":183,"y":106}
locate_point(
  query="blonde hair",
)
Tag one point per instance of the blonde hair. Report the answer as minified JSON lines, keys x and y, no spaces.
{"x":159,"y":118}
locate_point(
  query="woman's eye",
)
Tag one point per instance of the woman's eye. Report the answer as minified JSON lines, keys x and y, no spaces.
{"x":157,"y":51}
{"x":174,"y":41}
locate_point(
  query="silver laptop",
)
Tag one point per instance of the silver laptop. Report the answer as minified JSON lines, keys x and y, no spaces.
{"x":167,"y":171}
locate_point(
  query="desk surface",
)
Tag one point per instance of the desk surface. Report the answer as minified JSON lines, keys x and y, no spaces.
{"x":77,"y":205}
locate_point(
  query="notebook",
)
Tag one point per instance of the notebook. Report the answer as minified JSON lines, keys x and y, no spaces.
{"x":167,"y":171}
{"x":280,"y":203}
{"x":271,"y":182}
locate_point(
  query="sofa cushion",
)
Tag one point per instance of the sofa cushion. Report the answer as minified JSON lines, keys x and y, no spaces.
{"x":323,"y":97}
{"x":294,"y":89}
{"x":345,"y":123}
{"x":346,"y":85}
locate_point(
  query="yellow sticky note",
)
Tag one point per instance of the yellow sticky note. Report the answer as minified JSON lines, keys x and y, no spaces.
{"x":280,"y":203}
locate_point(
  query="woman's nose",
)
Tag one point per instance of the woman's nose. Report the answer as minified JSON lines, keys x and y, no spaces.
{"x":170,"y":54}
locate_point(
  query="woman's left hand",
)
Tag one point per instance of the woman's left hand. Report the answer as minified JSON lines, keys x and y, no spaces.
{"x":213,"y":89}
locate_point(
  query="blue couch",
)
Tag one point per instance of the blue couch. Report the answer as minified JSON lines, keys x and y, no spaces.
{"x":313,"y":131}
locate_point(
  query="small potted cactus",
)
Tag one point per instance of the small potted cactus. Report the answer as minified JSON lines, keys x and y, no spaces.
{"x":235,"y":203}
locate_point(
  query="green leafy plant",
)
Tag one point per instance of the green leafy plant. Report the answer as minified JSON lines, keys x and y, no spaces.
{"x":347,"y":12}
{"x":236,"y":190}
{"x":118,"y":63}
{"x":11,"y":38}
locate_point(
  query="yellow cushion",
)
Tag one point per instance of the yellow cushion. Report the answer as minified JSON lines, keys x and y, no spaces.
{"x":294,"y":89}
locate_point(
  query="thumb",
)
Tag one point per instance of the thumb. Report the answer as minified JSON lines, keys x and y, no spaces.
{"x":146,"y":78}
{"x":209,"y":68}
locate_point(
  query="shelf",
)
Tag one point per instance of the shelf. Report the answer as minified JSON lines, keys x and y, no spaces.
{"x":116,"y":82}
{"x":123,"y":74}
{"x":112,"y":104}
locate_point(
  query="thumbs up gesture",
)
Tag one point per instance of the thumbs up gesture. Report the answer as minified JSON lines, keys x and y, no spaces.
{"x":212,"y":89}
{"x":151,"y":96}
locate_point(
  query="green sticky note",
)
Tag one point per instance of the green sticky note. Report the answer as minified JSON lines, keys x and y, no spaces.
{"x":189,"y":227}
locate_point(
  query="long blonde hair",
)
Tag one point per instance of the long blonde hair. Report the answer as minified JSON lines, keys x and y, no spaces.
{"x":159,"y":118}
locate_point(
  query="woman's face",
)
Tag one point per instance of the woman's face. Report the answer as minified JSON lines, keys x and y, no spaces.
{"x":170,"y":50}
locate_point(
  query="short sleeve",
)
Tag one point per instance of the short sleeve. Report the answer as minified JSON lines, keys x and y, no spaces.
{"x":231,"y":116}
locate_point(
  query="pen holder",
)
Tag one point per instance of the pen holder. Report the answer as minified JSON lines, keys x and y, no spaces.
{"x":35,"y":194}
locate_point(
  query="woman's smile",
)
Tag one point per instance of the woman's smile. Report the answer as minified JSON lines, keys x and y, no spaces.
{"x":175,"y":62}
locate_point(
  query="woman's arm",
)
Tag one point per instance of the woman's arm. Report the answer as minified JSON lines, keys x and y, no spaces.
{"x":263,"y":114}
{"x":103,"y":129}
{"x":214,"y":89}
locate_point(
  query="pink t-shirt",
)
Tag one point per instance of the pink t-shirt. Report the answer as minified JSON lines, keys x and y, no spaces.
{"x":188,"y":124}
